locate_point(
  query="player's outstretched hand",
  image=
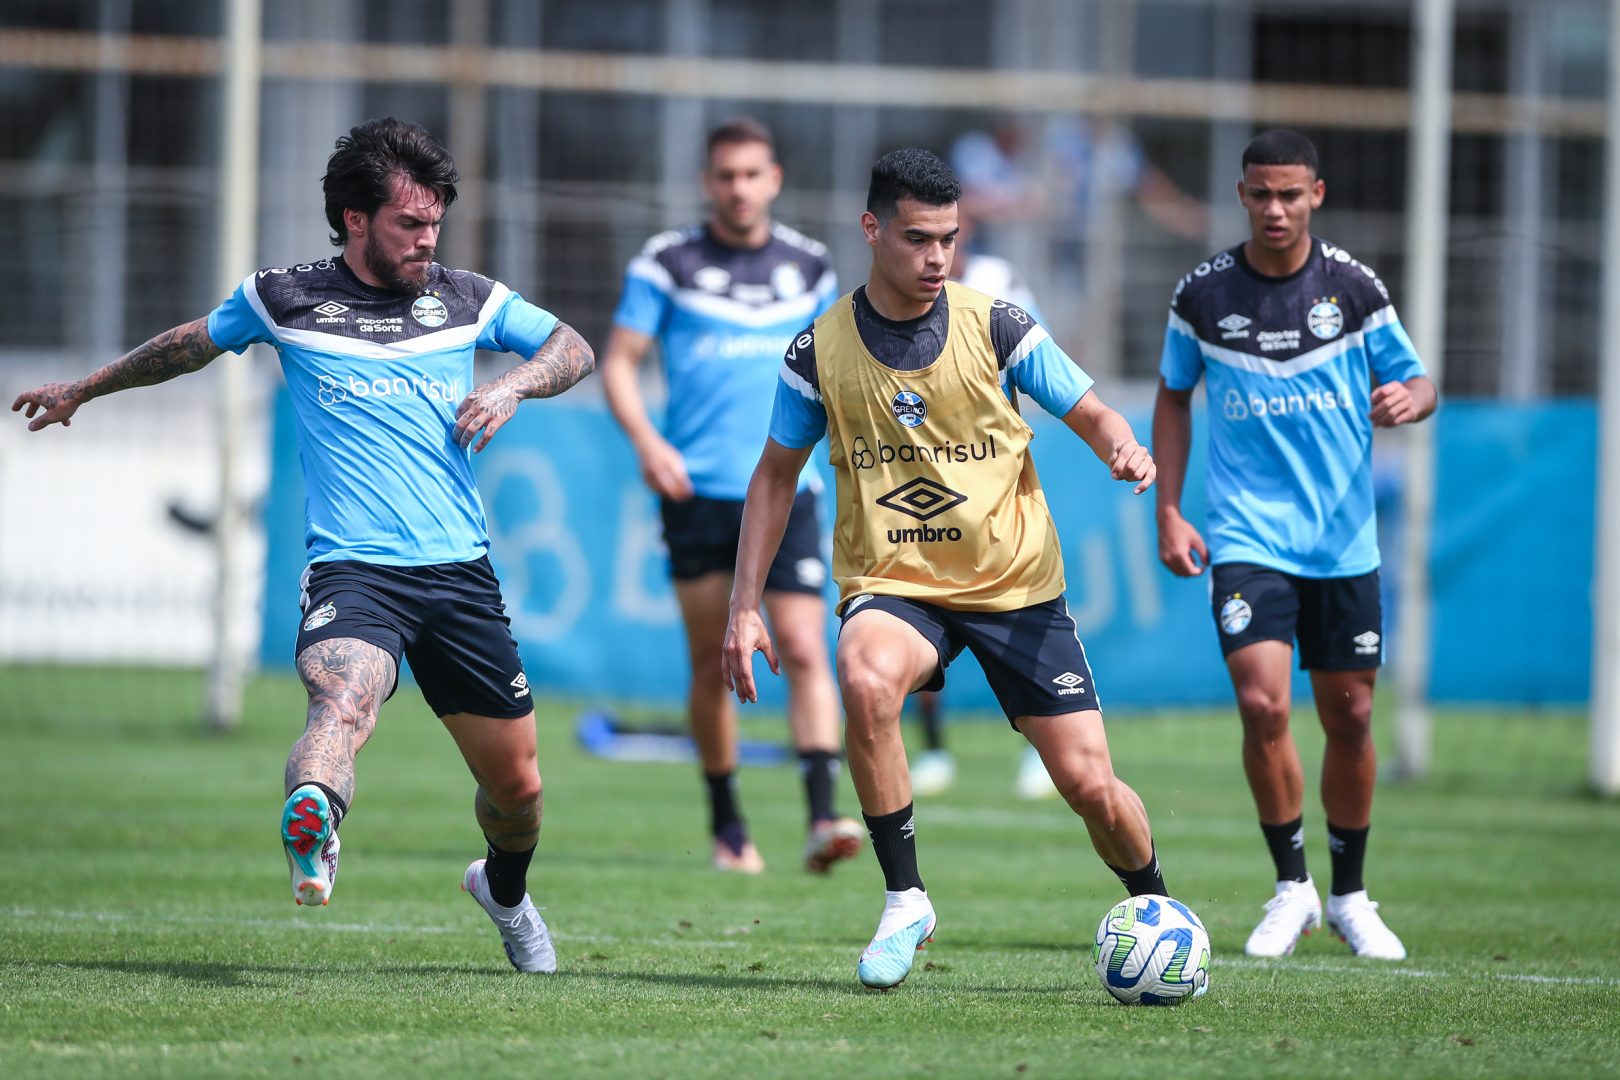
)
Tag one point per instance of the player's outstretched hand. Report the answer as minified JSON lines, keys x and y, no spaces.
{"x":57,"y":401}
{"x":663,"y":469}
{"x":1392,"y":405}
{"x":486,"y":409}
{"x":1181,"y":549}
{"x":1131,"y":461}
{"x":745,"y":635}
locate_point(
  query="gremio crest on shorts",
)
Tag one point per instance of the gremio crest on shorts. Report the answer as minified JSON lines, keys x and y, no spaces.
{"x":1236,"y":615}
{"x":320,"y":616}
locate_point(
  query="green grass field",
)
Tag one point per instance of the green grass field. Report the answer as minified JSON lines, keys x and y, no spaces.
{"x":149,"y":928}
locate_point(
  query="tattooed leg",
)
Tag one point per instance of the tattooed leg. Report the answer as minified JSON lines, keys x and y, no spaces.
{"x":347,"y":680}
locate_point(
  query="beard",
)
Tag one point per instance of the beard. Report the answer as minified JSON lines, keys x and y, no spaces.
{"x":392,"y":272}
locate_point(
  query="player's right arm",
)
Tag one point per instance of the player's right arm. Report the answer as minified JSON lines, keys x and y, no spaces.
{"x":662,"y":467}
{"x":174,"y":352}
{"x":1181,"y":548}
{"x":798,"y":421}
{"x":765,"y":514}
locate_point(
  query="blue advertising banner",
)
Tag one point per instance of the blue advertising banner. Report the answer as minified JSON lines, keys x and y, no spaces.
{"x":576,"y":540}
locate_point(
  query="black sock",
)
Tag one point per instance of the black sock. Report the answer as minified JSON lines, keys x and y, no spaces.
{"x":895,"y":842}
{"x":928,"y":710}
{"x":820,"y":771}
{"x":340,"y":809}
{"x":723,"y":802}
{"x":507,"y":873}
{"x":1347,"y":849}
{"x":1287,"y":844}
{"x":1149,"y":879}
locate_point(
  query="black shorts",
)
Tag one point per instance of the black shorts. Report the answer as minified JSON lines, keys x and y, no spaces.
{"x":447,"y":620}
{"x":1032,"y":657}
{"x":1339,"y":622}
{"x":702,"y":534}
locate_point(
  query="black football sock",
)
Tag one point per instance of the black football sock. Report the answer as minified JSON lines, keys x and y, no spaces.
{"x":340,"y":809}
{"x":894,"y":840}
{"x":1148,"y":880}
{"x":1287,"y":844}
{"x":507,"y":873}
{"x":1347,"y":849}
{"x":820,"y":771}
{"x":928,"y":709}
{"x":724,"y":818}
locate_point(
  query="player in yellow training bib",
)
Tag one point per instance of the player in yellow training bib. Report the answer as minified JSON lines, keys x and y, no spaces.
{"x":942,"y":539}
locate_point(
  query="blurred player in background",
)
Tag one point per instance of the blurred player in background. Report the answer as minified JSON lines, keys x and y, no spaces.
{"x":723,"y":300}
{"x":1304,"y":356}
{"x":377,"y":347}
{"x":934,"y":771}
{"x":943,"y":540}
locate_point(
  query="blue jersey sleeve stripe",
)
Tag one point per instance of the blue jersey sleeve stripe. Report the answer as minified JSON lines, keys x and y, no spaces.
{"x":1036,"y":335}
{"x":517,"y":326}
{"x":1390,"y":353}
{"x":795,"y":381}
{"x":1054,"y":381}
{"x":1181,"y":364}
{"x":796,"y":421}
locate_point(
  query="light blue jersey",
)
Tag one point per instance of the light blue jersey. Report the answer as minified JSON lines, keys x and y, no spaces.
{"x":375,"y":378}
{"x":723,"y":317}
{"x":1289,"y":365}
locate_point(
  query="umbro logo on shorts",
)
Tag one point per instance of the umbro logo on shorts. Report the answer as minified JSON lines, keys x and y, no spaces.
{"x":1366,"y":644}
{"x":1070,"y":683}
{"x":520,"y":685}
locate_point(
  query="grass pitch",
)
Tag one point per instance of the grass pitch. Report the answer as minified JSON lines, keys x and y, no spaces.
{"x":149,"y":928}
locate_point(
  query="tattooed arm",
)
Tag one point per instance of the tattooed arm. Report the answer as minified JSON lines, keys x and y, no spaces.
{"x":562,"y":361}
{"x":173,"y":352}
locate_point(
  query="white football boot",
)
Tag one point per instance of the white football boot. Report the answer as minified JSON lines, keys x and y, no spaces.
{"x":1355,"y":920}
{"x":907,"y":926}
{"x":932,"y":773}
{"x":1294,"y":912}
{"x":523,"y":931}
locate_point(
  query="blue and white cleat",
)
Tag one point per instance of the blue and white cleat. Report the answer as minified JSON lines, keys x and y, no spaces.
{"x":905,"y":930}
{"x":310,"y":840}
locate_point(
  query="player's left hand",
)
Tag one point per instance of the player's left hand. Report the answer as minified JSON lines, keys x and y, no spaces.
{"x":56,"y":399}
{"x":1392,"y":405}
{"x":1131,"y":461}
{"x":486,"y":409}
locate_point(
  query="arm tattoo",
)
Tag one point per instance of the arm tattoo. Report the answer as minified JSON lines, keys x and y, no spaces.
{"x":184,"y":349}
{"x":562,"y":361}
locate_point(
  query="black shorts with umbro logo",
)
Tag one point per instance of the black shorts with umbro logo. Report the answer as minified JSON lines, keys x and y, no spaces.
{"x":447,"y":620}
{"x":1032,"y":657}
{"x":1338,"y":622}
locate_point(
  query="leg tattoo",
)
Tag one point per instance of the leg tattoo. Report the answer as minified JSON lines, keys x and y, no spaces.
{"x":347,"y":681}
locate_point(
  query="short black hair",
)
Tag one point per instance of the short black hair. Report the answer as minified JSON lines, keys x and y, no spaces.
{"x":910,"y":174}
{"x":361,"y":171}
{"x":1281,"y":146}
{"x":739,"y":130}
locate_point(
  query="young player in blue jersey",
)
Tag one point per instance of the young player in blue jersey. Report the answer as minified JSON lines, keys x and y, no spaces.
{"x":722,"y":300}
{"x":1302,"y":356}
{"x":377,"y":348}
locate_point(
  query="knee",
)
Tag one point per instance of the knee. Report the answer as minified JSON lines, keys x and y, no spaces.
{"x":869,"y":691}
{"x":514,"y":791}
{"x":1089,"y":791}
{"x":1264,"y":712}
{"x":802,"y":653}
{"x":1350,"y":724}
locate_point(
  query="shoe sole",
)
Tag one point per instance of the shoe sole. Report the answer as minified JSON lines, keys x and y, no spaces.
{"x":309,"y":890}
{"x":833,"y":851}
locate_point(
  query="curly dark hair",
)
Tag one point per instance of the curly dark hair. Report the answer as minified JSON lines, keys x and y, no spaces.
{"x":910,"y":174}
{"x":361,"y":171}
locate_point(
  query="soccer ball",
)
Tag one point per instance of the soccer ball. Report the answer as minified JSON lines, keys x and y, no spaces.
{"x":1152,"y":950}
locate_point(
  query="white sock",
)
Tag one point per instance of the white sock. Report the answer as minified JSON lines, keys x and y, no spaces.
{"x":901,"y":909}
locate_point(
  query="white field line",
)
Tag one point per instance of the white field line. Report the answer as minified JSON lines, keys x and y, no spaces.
{"x":316,"y":924}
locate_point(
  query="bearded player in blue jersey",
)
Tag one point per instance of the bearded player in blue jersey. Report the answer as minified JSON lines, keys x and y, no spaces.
{"x":377,"y":348}
{"x":1303,"y":356}
{"x":722,"y":301}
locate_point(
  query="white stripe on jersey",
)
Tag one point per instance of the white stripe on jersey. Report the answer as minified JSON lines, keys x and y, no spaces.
{"x":1283,"y":369}
{"x":796,"y":382}
{"x":799,"y":310}
{"x":653,"y":272}
{"x":439,"y":340}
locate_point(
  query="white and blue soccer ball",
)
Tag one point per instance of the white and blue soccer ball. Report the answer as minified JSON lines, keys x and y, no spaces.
{"x":1152,"y":950}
